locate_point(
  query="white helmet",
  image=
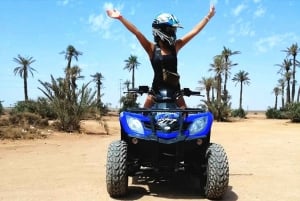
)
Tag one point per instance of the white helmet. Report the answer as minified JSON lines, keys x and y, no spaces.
{"x":164,"y":28}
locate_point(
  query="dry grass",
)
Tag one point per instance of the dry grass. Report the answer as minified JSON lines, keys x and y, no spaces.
{"x":16,"y":133}
{"x":18,"y":127}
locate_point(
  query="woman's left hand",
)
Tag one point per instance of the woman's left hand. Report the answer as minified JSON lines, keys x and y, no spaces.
{"x":211,"y":11}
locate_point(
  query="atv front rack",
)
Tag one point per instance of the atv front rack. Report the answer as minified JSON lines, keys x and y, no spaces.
{"x":187,"y":110}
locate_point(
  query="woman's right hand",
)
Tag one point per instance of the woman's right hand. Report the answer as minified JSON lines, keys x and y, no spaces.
{"x":212,"y":11}
{"x":113,"y":13}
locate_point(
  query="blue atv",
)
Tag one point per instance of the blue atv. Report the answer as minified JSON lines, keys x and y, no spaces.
{"x":166,"y":139}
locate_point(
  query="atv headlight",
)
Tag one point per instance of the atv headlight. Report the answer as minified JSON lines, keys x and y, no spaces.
{"x":198,"y":125}
{"x":134,"y":124}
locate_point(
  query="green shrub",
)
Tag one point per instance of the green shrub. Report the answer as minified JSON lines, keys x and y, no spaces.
{"x":238,"y":113}
{"x":272,"y":113}
{"x":45,"y":109}
{"x":41,"y":107}
{"x":220,"y":113}
{"x":293,"y":112}
{"x":129,"y":101}
{"x":24,"y":106}
{"x":69,"y":104}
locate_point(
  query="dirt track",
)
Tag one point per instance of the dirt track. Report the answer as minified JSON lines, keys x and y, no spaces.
{"x":264,"y":159}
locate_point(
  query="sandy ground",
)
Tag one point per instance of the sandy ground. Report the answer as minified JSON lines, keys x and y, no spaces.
{"x":264,"y":159}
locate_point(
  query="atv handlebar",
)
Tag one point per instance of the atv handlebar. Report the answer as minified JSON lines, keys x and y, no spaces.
{"x":188,"y":92}
{"x":145,"y":89}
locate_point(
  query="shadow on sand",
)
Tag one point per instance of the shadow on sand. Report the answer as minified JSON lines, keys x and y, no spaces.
{"x":175,"y":187}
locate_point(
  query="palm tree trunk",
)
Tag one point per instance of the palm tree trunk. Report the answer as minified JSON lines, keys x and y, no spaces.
{"x":225,"y":82}
{"x":25,"y":89}
{"x":25,"y":86}
{"x":133,"y":77}
{"x":282,"y":97}
{"x":219,"y":92}
{"x":98,"y":95}
{"x":294,"y":79}
{"x":241,"y":95}
{"x":293,"y":90}
{"x":208,"y":96}
{"x":288,"y":93}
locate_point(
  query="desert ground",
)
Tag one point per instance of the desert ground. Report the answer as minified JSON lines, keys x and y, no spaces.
{"x":263,"y":154}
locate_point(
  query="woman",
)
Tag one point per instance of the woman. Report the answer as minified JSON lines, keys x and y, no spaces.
{"x":163,"y":53}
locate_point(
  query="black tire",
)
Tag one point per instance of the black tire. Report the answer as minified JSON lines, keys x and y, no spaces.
{"x":217,"y":172}
{"x":116,"y":169}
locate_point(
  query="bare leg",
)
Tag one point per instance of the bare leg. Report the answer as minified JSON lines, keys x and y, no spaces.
{"x":181,"y":103}
{"x":149,"y":101}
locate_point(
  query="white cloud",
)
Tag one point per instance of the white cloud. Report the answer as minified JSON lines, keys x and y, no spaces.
{"x":241,"y":28}
{"x":108,"y":5}
{"x":246,"y":29}
{"x":102,"y":24}
{"x":99,"y":22}
{"x":214,"y":2}
{"x":63,"y":2}
{"x":259,"y":12}
{"x":237,"y":11}
{"x":265,"y":44}
{"x":231,"y":40}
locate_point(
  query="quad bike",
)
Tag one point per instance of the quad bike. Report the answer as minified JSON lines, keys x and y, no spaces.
{"x":166,"y":139}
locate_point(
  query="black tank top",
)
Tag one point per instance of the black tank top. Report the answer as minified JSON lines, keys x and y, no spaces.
{"x":158,"y":62}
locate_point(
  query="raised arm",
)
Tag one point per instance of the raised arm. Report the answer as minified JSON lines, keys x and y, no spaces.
{"x":146,"y":44}
{"x":186,"y":38}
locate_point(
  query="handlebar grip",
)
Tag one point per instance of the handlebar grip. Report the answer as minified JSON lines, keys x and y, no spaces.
{"x":188,"y":92}
{"x":195,"y":93}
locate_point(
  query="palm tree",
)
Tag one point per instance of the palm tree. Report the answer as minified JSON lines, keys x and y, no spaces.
{"x":293,"y":51}
{"x":276,"y":91}
{"x":132,"y":64}
{"x":97,"y":78}
{"x":213,"y":89}
{"x":23,"y":69}
{"x":226,"y":53}
{"x":207,"y":85}
{"x":127,"y":84}
{"x":285,"y":70}
{"x":74,"y":74}
{"x":217,"y":67}
{"x":71,"y":53}
{"x":241,"y":77}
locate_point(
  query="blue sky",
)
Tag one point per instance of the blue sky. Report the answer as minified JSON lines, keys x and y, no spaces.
{"x":259,"y":29}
